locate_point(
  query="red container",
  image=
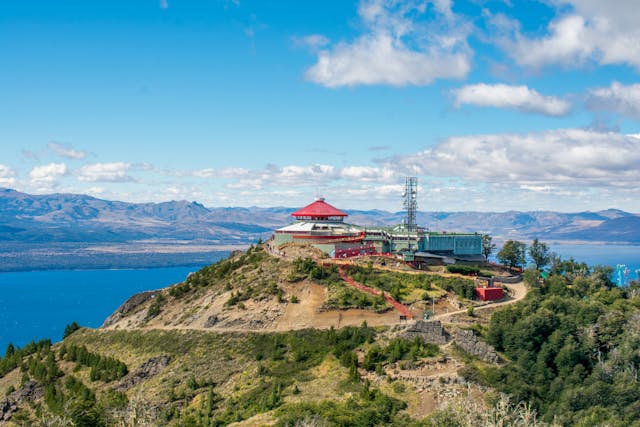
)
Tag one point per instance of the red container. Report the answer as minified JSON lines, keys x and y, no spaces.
{"x":490,"y":294}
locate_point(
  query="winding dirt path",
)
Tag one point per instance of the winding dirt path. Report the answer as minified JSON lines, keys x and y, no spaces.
{"x":519,"y":291}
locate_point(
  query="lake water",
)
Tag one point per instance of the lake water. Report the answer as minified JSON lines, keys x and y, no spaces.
{"x":611,"y":255}
{"x":39,"y":304}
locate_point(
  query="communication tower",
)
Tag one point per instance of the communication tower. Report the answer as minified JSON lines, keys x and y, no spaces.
{"x":410,"y":202}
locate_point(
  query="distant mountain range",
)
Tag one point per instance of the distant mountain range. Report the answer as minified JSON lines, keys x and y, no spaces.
{"x":81,"y":219}
{"x":79,"y":231}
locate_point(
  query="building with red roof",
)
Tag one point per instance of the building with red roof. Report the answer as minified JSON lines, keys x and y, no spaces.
{"x":323,"y":226}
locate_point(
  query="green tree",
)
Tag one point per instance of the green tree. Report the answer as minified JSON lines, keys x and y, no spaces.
{"x":487,"y":246}
{"x":539,"y":253}
{"x":70,"y":328}
{"x":513,"y":253}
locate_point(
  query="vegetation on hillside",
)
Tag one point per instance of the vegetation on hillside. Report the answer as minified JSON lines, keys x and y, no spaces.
{"x":249,"y":275}
{"x":573,"y":346}
{"x":340,"y":295}
{"x":246,"y":375}
{"x":403,"y":286}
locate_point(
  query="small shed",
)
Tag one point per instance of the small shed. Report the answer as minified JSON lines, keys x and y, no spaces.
{"x":490,"y":293}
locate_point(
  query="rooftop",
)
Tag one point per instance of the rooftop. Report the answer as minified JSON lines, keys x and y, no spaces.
{"x":317,"y":209}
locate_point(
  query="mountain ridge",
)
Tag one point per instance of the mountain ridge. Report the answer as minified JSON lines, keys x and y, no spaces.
{"x":63,"y":217}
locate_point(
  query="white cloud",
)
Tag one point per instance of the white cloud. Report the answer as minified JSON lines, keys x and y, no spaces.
{"x":104,"y":172}
{"x":312,"y":41}
{"x":47,"y":174}
{"x":366,"y":173}
{"x":617,"y":98}
{"x":514,"y":97}
{"x":398,"y":47}
{"x":567,"y":157}
{"x":7,"y":176}
{"x":295,"y":175}
{"x":66,"y":150}
{"x":220,"y":173}
{"x":592,"y":31}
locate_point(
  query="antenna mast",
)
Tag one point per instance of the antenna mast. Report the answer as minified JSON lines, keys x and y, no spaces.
{"x":410,"y":203}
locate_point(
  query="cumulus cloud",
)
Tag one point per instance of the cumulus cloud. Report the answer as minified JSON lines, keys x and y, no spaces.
{"x":591,"y":30}
{"x":104,"y":172}
{"x":66,"y":151}
{"x":47,"y":174}
{"x":7,"y":176}
{"x":617,"y":98}
{"x":403,"y":43}
{"x":513,"y":97}
{"x":566,"y":157}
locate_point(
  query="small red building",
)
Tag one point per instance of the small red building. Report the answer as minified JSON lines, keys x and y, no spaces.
{"x":490,"y":293}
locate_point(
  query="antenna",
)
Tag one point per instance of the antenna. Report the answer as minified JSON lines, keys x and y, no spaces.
{"x":410,"y":202}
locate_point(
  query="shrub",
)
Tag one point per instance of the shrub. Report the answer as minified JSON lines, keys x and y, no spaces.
{"x":102,"y":368}
{"x":70,"y":328}
{"x":467,"y":270}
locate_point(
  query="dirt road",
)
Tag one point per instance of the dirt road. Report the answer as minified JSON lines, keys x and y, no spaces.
{"x":518,"y":290}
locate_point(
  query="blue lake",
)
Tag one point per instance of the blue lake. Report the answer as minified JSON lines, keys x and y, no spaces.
{"x":39,"y":304}
{"x":611,"y":255}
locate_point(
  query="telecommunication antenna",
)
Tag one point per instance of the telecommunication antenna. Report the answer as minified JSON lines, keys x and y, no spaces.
{"x":410,"y":202}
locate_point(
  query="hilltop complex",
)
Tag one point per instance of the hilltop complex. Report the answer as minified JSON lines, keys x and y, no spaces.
{"x":323,"y":226}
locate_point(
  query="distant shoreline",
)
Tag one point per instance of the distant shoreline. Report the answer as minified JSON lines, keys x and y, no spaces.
{"x":34,"y":270}
{"x":107,"y":261}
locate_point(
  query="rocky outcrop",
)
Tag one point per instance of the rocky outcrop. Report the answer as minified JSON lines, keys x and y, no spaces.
{"x":430,"y":331}
{"x":128,"y":306}
{"x":211,"y":321}
{"x":470,"y":343}
{"x":29,"y":392}
{"x":148,"y":369}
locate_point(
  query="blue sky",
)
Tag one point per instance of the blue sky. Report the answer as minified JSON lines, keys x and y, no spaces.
{"x":494,"y":105}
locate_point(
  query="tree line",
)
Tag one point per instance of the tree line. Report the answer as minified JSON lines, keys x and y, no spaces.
{"x":514,"y":253}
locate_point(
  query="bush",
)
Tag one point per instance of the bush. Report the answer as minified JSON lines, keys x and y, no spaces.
{"x":398,"y":349}
{"x":467,"y":270}
{"x":13,"y":355}
{"x":103,"y":368}
{"x":70,"y":328}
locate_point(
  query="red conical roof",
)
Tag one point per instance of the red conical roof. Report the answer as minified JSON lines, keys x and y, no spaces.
{"x":319,"y":208}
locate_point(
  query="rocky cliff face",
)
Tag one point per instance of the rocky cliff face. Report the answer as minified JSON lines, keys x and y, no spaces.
{"x":470,"y":343}
{"x":430,"y":331}
{"x":29,"y":392}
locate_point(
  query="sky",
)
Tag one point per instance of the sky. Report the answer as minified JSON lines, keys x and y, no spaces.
{"x":493,"y":105}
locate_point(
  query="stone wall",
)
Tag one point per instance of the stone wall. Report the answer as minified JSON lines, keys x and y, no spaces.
{"x":470,"y":343}
{"x":508,"y":279}
{"x":430,"y":331}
